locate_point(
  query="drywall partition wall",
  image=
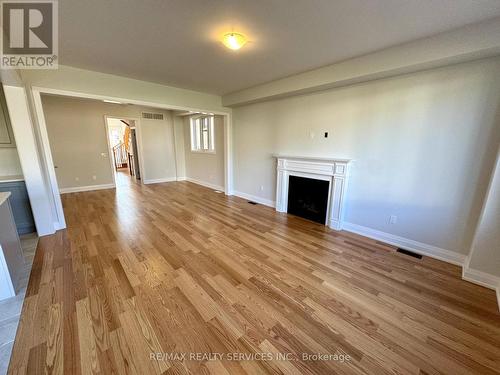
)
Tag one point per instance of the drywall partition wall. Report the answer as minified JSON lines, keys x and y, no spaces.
{"x":485,"y":252}
{"x":110,"y":86}
{"x":77,"y":136}
{"x":419,"y":144}
{"x":202,"y":167}
{"x":180,"y":159}
{"x":77,"y":140}
{"x":158,"y":149}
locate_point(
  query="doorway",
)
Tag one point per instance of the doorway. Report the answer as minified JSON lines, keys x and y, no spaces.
{"x":124,"y":154}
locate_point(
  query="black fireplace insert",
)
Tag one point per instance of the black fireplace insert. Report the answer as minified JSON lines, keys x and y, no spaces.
{"x":308,"y":198}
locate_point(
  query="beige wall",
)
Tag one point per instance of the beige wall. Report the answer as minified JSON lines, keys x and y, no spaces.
{"x":9,"y":162}
{"x":422,"y":146}
{"x":77,"y":138}
{"x":158,"y":149}
{"x":207,"y":168}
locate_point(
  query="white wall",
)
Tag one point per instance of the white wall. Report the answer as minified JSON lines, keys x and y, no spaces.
{"x":9,"y":162}
{"x":485,"y":253}
{"x":207,"y":168}
{"x":77,"y":136}
{"x":421,"y":145}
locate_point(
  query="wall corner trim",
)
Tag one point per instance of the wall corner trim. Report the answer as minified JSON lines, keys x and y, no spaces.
{"x":415,"y":246}
{"x":86,"y":188}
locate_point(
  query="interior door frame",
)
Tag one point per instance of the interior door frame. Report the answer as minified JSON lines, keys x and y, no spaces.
{"x":138,"y":139}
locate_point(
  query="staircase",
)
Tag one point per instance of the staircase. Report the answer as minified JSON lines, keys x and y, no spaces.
{"x":120,"y":155}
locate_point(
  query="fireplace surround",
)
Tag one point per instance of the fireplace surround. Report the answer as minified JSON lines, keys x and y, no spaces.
{"x":334,"y":171}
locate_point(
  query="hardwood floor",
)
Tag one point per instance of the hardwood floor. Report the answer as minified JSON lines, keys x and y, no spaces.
{"x":177,"y":268}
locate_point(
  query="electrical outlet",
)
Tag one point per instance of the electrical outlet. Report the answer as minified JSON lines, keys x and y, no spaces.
{"x":104,"y":155}
{"x":393,"y":219}
{"x":261,"y":187}
{"x":312,"y":135}
{"x":77,"y":178}
{"x":94,"y":177}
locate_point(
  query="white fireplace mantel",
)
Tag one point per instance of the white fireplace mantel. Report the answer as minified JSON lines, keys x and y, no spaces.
{"x":335,"y":171}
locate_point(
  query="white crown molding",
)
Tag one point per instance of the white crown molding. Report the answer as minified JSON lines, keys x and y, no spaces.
{"x":254,"y":198}
{"x":205,"y":184}
{"x":78,"y":189}
{"x":408,"y":244}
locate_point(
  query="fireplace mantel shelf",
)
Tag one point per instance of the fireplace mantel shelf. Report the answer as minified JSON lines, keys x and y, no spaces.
{"x":312,"y":158}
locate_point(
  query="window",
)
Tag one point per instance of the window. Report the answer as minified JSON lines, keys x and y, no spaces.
{"x":202,"y":134}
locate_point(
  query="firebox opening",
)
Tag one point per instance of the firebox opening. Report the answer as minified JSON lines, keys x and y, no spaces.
{"x":308,"y":198}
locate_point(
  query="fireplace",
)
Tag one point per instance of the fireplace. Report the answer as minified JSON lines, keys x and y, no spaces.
{"x":303,"y":184}
{"x":308,"y":198}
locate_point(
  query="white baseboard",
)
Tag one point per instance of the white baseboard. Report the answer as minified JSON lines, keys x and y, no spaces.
{"x":181,"y":178}
{"x":78,"y":189}
{"x":415,"y":246}
{"x":254,"y":198}
{"x":481,"y":278}
{"x":206,"y":184}
{"x":159,"y":180}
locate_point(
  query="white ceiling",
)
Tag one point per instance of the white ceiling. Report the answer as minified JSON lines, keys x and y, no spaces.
{"x":175,"y":42}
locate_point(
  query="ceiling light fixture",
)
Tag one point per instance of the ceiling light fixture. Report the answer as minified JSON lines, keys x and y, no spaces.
{"x":234,"y":41}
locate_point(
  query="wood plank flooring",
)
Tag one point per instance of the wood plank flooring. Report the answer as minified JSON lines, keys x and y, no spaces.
{"x":146,"y":274}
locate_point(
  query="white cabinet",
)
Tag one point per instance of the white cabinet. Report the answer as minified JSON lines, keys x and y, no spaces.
{"x":11,"y":256}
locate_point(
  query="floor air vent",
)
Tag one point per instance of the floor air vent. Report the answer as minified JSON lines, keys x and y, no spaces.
{"x":410,"y":253}
{"x":254,"y":203}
